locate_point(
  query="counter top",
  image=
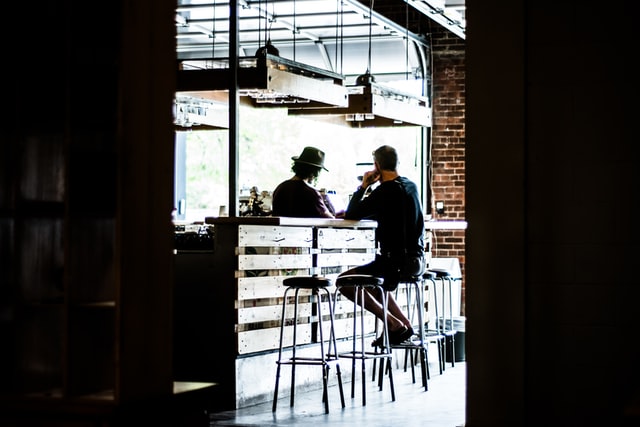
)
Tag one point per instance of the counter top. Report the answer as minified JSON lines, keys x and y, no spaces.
{"x":445,"y":225}
{"x":324,"y":222}
{"x":290,"y":221}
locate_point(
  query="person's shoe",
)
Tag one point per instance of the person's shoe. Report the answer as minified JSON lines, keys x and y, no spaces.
{"x":401,"y":335}
{"x":378,"y":341}
{"x":395,"y":337}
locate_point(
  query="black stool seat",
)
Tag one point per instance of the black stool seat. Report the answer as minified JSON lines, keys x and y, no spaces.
{"x":429,"y":274}
{"x":306,"y":282}
{"x":410,"y":278}
{"x":439,"y":272}
{"x":364,"y":280}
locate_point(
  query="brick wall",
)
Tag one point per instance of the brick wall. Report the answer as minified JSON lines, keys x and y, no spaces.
{"x":448,"y":145}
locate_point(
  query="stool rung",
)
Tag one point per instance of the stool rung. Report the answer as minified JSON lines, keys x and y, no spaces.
{"x":364,"y":355}
{"x":306,"y":361}
{"x":328,"y":358}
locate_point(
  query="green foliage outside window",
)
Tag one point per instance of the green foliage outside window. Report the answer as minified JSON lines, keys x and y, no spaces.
{"x":267,"y":141}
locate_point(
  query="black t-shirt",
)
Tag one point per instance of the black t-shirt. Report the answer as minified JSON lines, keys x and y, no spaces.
{"x":393,"y":204}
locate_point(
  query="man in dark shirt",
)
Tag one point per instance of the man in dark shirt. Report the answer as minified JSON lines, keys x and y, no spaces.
{"x":296,"y":197}
{"x":395,"y":205}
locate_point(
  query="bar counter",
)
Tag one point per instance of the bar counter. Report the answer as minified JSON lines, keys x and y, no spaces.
{"x":445,"y":225}
{"x":228,"y":295}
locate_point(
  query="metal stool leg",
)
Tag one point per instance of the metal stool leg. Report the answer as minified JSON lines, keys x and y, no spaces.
{"x":332,"y":342}
{"x":414,"y":292}
{"x":452,"y":332}
{"x":440,"y":338}
{"x":278,"y":363}
{"x":294,"y":348}
{"x":363,"y":370}
{"x":315,"y":285}
{"x":358,"y":341}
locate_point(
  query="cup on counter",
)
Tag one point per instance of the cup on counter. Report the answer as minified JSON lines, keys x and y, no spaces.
{"x":223,"y":211}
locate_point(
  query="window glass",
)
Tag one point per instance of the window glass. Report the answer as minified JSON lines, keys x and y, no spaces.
{"x":267,"y":141}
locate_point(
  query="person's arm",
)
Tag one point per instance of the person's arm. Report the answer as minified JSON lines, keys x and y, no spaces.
{"x":359,"y":206}
{"x":328,"y":204}
{"x":321,"y":208}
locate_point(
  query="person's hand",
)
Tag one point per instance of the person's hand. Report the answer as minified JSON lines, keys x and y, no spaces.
{"x":370,"y":177}
{"x":340,"y":214}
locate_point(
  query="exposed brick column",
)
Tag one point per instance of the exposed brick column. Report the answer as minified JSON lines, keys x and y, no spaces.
{"x":448,"y":145}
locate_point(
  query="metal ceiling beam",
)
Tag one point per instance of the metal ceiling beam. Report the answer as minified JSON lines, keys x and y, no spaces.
{"x":204,"y":46}
{"x":435,"y":10}
{"x":322,"y":49}
{"x":350,"y":6}
{"x":383,"y":21}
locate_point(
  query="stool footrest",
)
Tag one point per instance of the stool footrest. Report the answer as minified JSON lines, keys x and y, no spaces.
{"x":417,"y":343}
{"x":306,"y":361}
{"x":364,"y":355}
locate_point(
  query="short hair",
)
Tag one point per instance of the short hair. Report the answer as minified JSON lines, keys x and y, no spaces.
{"x":305,"y":170}
{"x":387,"y":157}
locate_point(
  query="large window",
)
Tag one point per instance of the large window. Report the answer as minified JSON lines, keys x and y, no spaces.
{"x":268,"y":139}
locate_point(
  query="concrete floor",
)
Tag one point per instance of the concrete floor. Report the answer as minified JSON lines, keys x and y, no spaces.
{"x":442,"y":405}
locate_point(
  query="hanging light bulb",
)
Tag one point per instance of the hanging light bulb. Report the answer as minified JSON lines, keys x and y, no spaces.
{"x":268,"y":48}
{"x":365,"y":79}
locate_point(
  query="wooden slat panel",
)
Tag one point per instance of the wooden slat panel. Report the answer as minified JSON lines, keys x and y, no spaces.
{"x":274,"y":262}
{"x":344,"y":259}
{"x":271,"y":312}
{"x":272,"y":253}
{"x":268,"y":339}
{"x":345,"y":238}
{"x":258,"y":314}
{"x":343,"y":306}
{"x":344,"y":327}
{"x":260,"y":287}
{"x":258,"y":235}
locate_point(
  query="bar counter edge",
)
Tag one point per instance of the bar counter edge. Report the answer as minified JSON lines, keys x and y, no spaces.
{"x":291,"y":221}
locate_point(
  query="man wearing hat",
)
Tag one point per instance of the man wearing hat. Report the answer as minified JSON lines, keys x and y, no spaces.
{"x":296,"y":197}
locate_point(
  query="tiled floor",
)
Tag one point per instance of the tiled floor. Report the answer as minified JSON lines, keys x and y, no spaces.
{"x":442,"y":405}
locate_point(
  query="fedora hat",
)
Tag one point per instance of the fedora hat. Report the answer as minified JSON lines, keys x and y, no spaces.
{"x":311,"y":156}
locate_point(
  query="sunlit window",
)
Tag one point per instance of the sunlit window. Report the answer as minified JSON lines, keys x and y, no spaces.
{"x":268,"y":139}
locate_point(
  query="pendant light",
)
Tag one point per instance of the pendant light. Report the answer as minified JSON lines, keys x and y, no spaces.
{"x":372,"y":104}
{"x":264,"y":80}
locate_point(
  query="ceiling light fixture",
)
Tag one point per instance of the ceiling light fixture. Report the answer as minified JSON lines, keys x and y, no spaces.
{"x":190,"y":113}
{"x":264,"y":80}
{"x":372,"y":104}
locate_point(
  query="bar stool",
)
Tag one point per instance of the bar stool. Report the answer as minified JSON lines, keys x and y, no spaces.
{"x":444,"y":323}
{"x":360,"y":284}
{"x":318,"y":286}
{"x":414,"y":291}
{"x":433,"y":335}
